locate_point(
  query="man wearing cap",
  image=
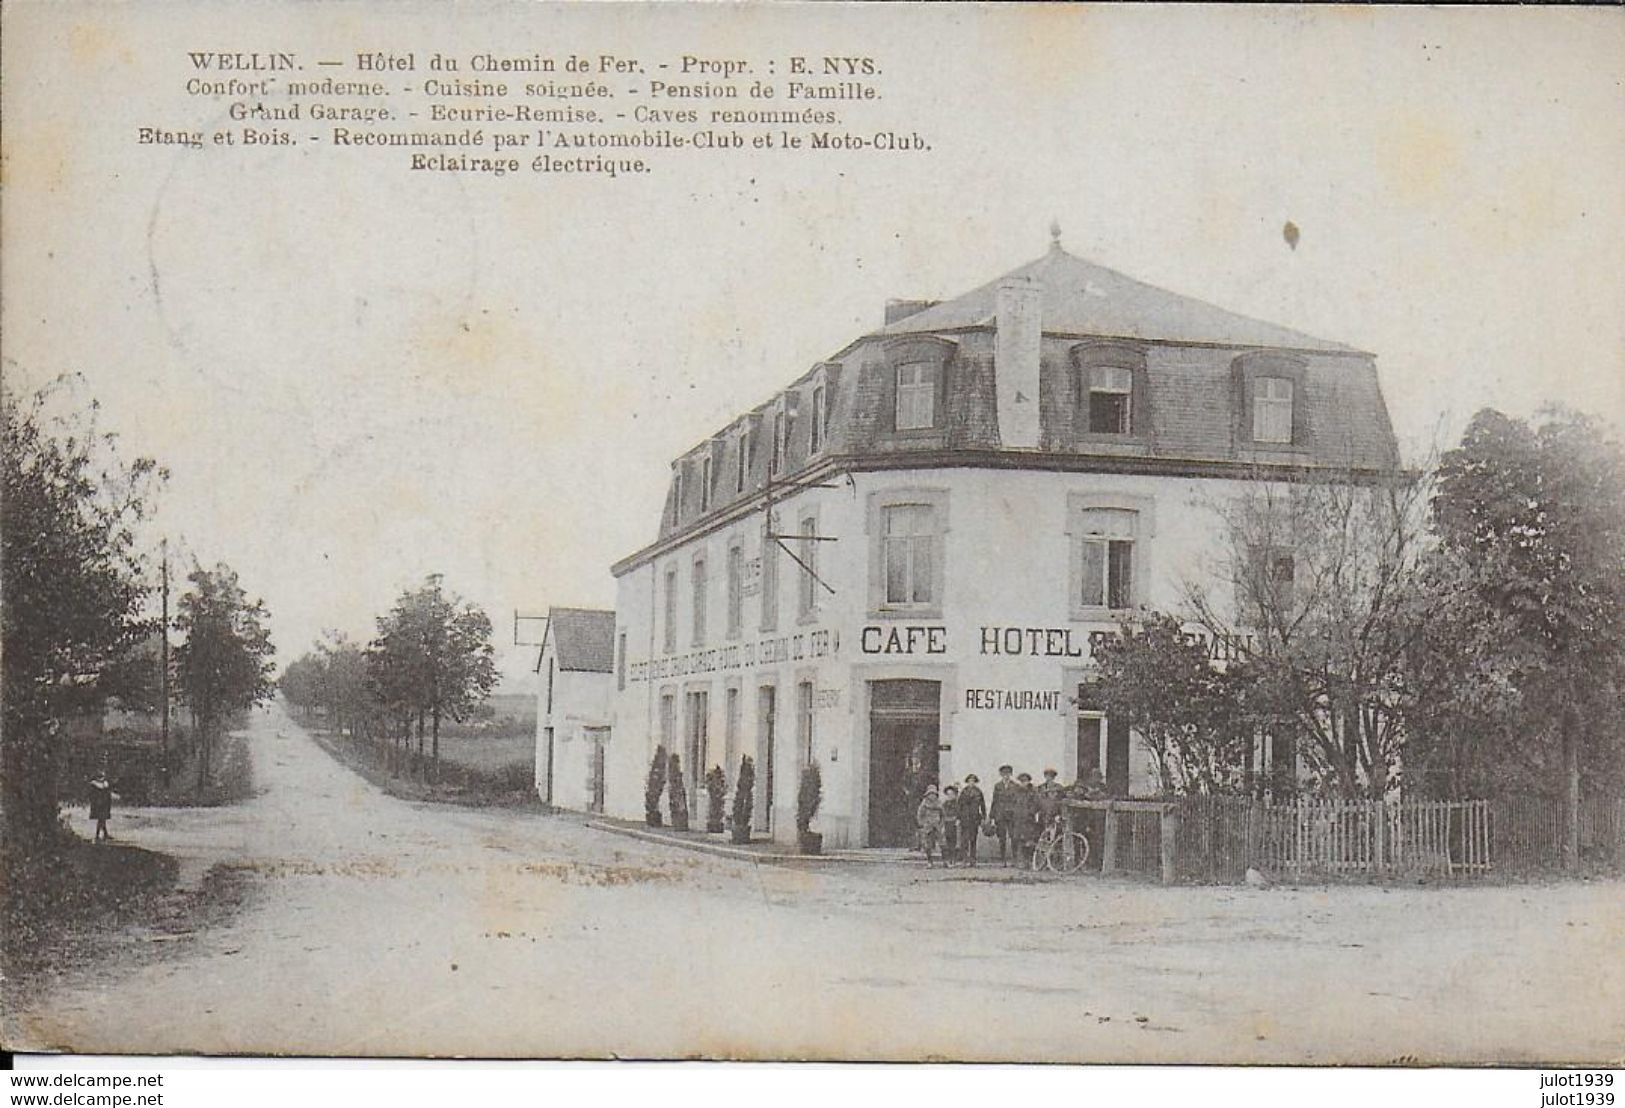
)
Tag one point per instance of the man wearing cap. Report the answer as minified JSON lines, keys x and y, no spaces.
{"x":1003,"y":814}
{"x":930,"y":820}
{"x":972,"y":814}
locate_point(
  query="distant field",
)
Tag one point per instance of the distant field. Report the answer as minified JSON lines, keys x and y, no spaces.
{"x":488,"y":753}
{"x":520,"y":706}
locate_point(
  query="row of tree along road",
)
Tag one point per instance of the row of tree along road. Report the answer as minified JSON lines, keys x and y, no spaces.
{"x":432,"y":661}
{"x":1456,"y":633}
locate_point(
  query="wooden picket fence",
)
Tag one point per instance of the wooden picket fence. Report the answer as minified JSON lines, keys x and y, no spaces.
{"x":1221,"y":837}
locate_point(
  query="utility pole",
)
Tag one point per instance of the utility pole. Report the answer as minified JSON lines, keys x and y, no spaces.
{"x":164,"y":571}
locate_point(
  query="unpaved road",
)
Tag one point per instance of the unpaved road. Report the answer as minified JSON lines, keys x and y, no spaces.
{"x":379,"y":926}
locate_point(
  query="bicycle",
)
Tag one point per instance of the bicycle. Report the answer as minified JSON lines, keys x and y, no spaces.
{"x":1059,"y":850}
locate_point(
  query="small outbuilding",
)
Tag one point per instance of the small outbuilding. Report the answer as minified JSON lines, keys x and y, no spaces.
{"x":576,"y":666}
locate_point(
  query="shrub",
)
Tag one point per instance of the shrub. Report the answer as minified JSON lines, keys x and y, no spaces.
{"x":654,"y":787}
{"x":677,"y":794}
{"x":744,"y":796}
{"x":809,"y":796}
{"x":716,"y":793}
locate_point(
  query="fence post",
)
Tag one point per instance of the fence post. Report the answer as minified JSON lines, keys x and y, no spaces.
{"x":1108,"y":845}
{"x":1170,"y":843}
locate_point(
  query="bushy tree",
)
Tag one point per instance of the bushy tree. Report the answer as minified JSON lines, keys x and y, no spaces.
{"x":1193,"y":715}
{"x":224,"y":663}
{"x":432,"y":660}
{"x":1530,"y":570}
{"x":72,"y":578}
{"x":677,"y":794}
{"x":654,"y":784}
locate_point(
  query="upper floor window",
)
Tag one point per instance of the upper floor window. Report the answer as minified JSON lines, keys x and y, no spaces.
{"x":808,"y":553}
{"x":705,"y":483}
{"x":1111,"y":394}
{"x":1106,"y":538}
{"x":775,"y":461}
{"x":736,"y":590}
{"x":677,"y":494}
{"x":699,"y":601}
{"x":1272,"y":409}
{"x":620,"y":661}
{"x":916,"y":396}
{"x":743,"y":459}
{"x":770,"y":582}
{"x":670,"y":635}
{"x":908,"y":555}
{"x":819,"y":416}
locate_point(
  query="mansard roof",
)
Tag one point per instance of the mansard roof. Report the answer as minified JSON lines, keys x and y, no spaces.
{"x":1082,"y":298}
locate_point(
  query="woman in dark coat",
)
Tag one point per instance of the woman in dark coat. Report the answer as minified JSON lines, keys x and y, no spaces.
{"x":101,"y":804}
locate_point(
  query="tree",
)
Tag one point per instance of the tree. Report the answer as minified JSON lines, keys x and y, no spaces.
{"x":1326,"y":600}
{"x":1531,"y":523}
{"x":433,"y":659}
{"x":71,"y":575}
{"x":224,"y":664}
{"x":1160,"y":681}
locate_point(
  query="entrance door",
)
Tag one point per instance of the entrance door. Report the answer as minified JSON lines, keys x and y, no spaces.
{"x":595,"y":778}
{"x":766,"y":723}
{"x":1088,"y":746}
{"x":699,"y":722}
{"x":904,"y":729}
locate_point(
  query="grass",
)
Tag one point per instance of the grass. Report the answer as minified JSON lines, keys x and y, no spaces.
{"x":490,"y":753}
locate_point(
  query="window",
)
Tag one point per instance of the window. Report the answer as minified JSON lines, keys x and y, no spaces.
{"x":1106,"y":559}
{"x":743,"y":459}
{"x":671,"y":609}
{"x":677,"y":494}
{"x":620,"y":661}
{"x":770,"y":581}
{"x":705,"y":483}
{"x":1111,"y":392}
{"x":730,"y":733}
{"x":916,"y":396}
{"x":668,"y":721}
{"x":1272,"y":409}
{"x":808,"y":553}
{"x":550,"y":670}
{"x":804,"y":719}
{"x":818,"y":417}
{"x":1282,"y":570}
{"x":736,"y":591}
{"x":699,"y":601}
{"x":776,"y":459}
{"x":907,"y":555}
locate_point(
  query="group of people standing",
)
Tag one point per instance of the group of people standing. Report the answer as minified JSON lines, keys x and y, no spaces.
{"x":950,"y":823}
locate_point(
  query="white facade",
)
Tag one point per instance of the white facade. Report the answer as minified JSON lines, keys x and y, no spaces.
{"x":1002,"y":633}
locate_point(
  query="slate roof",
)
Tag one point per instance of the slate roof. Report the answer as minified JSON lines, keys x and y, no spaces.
{"x":1082,"y":298}
{"x":583,"y":639}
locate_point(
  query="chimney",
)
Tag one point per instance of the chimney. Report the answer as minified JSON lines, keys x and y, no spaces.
{"x":1019,"y":318}
{"x":902,"y":309}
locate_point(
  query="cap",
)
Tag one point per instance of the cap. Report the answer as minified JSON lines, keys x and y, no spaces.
{"x":1049,"y":773}
{"x":1024,"y":777}
{"x":971,"y":779}
{"x":1006,"y":769}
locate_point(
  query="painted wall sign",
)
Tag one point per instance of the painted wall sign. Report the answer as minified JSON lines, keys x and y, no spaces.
{"x":720,"y":659}
{"x":1013,"y":700}
{"x":1072,"y":642}
{"x":907,"y":639}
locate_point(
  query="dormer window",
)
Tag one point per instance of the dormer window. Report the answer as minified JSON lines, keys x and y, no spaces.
{"x":818,"y":414}
{"x":677,"y":494}
{"x":781,"y":427}
{"x":705,"y":483}
{"x":743,"y":459}
{"x":1272,"y":409}
{"x":1111,"y":396}
{"x":916,"y":395}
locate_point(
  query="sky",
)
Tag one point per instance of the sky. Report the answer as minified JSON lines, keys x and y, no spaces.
{"x":358,"y":375}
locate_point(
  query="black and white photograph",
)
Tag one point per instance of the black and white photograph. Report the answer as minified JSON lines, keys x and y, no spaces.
{"x":1085,"y":535}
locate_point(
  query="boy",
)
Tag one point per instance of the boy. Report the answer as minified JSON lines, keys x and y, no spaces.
{"x":929,"y":819}
{"x":951,"y":829}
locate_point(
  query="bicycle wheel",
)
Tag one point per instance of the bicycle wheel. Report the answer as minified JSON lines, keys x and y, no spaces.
{"x":1079,"y":853}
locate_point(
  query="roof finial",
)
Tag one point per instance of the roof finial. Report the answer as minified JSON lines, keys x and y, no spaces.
{"x":1055,"y":234}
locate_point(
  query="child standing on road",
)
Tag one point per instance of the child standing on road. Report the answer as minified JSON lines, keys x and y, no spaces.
{"x":930,"y":820}
{"x":951,"y":829}
{"x":101,"y":804}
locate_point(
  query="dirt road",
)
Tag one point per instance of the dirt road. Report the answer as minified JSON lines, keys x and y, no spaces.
{"x":379,"y":926}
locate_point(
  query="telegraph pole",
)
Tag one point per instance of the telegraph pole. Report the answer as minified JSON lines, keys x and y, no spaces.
{"x":164,"y":650}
